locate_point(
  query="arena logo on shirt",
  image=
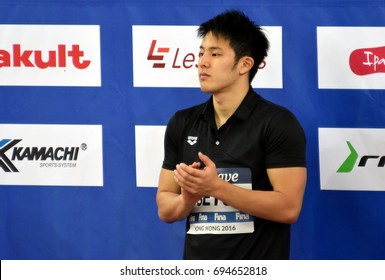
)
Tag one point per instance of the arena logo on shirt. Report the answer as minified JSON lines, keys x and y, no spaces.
{"x":167,"y":56}
{"x":65,"y":155}
{"x":352,"y":159}
{"x":50,"y":55}
{"x":349,"y":56}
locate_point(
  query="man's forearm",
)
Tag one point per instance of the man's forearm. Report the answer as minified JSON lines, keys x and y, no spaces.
{"x":172,"y":208}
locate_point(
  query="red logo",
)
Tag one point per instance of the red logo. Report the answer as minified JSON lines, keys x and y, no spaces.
{"x":151,"y":55}
{"x":179,"y":60}
{"x":59,"y":57}
{"x":367,"y":61}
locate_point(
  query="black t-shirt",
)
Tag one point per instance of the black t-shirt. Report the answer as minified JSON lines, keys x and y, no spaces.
{"x":258,"y":136}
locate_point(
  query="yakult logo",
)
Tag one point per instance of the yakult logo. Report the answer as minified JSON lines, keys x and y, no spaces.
{"x":367,"y":61}
{"x":50,"y":55}
{"x":18,"y":57}
{"x":167,"y":56}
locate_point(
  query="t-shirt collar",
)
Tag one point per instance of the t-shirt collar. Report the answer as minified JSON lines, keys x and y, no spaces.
{"x":243,"y":111}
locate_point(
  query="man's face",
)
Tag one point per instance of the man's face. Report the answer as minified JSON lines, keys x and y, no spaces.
{"x":217,"y":69}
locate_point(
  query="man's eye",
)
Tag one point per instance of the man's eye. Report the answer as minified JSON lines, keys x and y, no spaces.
{"x":215,"y":54}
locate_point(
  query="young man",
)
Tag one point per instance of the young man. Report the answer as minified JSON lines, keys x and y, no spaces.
{"x":234,"y":166}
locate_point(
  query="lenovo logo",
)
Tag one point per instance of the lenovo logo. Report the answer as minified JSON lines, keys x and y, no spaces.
{"x":367,"y":61}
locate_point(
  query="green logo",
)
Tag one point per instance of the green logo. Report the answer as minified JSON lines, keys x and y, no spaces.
{"x":350,"y":161}
{"x":371,"y":160}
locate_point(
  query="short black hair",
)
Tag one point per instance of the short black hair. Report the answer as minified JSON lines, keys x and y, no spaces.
{"x":245,"y":37}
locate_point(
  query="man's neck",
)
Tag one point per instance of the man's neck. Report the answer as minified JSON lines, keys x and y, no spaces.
{"x":226,"y":103}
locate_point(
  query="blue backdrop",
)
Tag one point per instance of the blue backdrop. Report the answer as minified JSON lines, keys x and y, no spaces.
{"x":119,"y":220}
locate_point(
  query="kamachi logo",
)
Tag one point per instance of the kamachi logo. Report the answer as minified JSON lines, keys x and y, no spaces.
{"x":60,"y":57}
{"x":367,"y":61}
{"x":348,"y":165}
{"x":186,"y":61}
{"x":33,"y":154}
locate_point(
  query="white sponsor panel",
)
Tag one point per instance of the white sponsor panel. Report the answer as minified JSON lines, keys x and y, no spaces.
{"x":149,"y":151}
{"x":337,"y":57}
{"x":51,"y":155}
{"x":167,"y":56}
{"x":352,"y":159}
{"x":50,"y":55}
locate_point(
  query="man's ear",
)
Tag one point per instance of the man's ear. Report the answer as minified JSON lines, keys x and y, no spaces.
{"x":246,"y":63}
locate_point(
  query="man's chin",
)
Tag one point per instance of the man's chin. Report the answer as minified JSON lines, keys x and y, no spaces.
{"x":205,"y":89}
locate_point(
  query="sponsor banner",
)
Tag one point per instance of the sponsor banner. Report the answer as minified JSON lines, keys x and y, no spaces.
{"x":51,"y":155}
{"x":352,"y":159}
{"x":149,"y":152}
{"x":351,"y":57}
{"x":167,"y":56}
{"x":50,"y":55}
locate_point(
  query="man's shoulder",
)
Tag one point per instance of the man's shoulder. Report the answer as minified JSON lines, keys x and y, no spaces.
{"x":190,"y":112}
{"x":271,"y":108}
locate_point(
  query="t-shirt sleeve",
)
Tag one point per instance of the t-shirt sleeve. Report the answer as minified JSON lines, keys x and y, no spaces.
{"x":285,"y":142}
{"x":170,"y":159}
